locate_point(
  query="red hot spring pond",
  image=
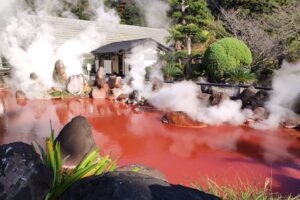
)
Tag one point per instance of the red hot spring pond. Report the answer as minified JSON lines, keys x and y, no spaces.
{"x":224,"y":153}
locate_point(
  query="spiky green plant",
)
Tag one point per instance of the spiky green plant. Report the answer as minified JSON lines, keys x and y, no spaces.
{"x":240,"y":75}
{"x":172,"y":70}
{"x":91,"y":164}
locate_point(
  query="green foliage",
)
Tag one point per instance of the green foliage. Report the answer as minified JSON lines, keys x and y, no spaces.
{"x":243,"y":192}
{"x":132,"y":16}
{"x":172,"y":70}
{"x":251,"y":6}
{"x":224,"y":56}
{"x":240,"y":75}
{"x":91,"y":164}
{"x":191,"y":22}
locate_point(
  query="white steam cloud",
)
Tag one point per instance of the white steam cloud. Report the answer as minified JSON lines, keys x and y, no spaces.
{"x":155,"y":12}
{"x":29,"y":44}
{"x":285,"y":95}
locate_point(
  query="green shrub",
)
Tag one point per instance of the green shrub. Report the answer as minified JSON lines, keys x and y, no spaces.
{"x":224,"y":56}
{"x":172,"y":70}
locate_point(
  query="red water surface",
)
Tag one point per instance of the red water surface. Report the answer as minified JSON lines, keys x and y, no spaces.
{"x":224,"y":153}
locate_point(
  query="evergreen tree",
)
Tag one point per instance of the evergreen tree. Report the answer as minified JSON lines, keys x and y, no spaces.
{"x":249,"y":6}
{"x":190,"y":21}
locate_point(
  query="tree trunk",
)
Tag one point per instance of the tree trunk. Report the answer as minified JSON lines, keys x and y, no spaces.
{"x":189,"y":51}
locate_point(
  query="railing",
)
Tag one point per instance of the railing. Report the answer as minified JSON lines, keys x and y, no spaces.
{"x":236,"y":88}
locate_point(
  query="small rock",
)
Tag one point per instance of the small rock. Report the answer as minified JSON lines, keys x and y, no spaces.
{"x":59,"y":74}
{"x":291,"y":123}
{"x":22,"y":174}
{"x":122,"y":97}
{"x":260,"y":114}
{"x":181,"y":119}
{"x":76,"y":140}
{"x":218,"y":98}
{"x":33,"y":76}
{"x":248,"y":93}
{"x":20,"y":94}
{"x":204,"y":98}
{"x":157,"y":84}
{"x":100,"y":77}
{"x":105,"y":87}
{"x":98,"y":93}
{"x":114,"y":82}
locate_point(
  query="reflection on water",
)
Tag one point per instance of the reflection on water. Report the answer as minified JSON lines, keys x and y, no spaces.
{"x":225,"y":152}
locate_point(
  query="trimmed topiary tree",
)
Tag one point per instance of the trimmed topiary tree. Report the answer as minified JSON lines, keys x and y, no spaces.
{"x":224,"y":56}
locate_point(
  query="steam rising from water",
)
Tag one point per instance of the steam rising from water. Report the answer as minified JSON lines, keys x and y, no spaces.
{"x":155,"y":12}
{"x":285,"y":96}
{"x":29,"y":42}
{"x":183,"y":96}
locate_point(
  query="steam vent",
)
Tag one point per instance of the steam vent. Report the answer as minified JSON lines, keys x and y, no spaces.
{"x":149,"y":100}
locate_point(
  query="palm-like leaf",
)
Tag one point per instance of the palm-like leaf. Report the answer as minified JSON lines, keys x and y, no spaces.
{"x":91,"y":164}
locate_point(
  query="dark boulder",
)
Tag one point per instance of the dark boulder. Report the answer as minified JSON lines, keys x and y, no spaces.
{"x":258,"y":100}
{"x":76,"y":140}
{"x":247,"y":93}
{"x":130,"y":185}
{"x":22,"y":174}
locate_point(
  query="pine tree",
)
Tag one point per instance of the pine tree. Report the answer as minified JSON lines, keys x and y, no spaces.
{"x":190,"y":20}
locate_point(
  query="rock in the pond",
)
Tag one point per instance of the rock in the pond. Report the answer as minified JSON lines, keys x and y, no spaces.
{"x":105,"y":87}
{"x":22,"y":174}
{"x":98,"y":93}
{"x":76,"y":140}
{"x":131,"y":186}
{"x":248,"y":93}
{"x":256,"y":101}
{"x":122,"y":97}
{"x":204,"y":98}
{"x":291,"y":123}
{"x":181,"y":119}
{"x":260,"y":114}
{"x":218,"y":98}
{"x":143,"y":170}
{"x":75,"y":84}
{"x":59,"y":74}
{"x":157,"y":84}
{"x":114,"y":82}
{"x":100,"y":77}
{"x":20,"y":94}
{"x":33,"y":76}
{"x":133,"y":97}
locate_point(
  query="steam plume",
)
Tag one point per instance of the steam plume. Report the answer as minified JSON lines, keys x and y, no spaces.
{"x":155,"y":12}
{"x":284,"y":97}
{"x":29,"y":43}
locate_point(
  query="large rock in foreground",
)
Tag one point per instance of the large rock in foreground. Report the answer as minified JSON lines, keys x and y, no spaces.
{"x":76,"y":140}
{"x":131,"y":186}
{"x":22,"y":174}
